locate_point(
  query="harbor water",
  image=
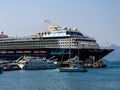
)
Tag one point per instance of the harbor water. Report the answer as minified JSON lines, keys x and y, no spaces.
{"x":95,"y":79}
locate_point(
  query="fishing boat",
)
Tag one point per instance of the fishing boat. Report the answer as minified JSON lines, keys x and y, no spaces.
{"x":99,"y":64}
{"x":73,"y":67}
{"x":36,"y":63}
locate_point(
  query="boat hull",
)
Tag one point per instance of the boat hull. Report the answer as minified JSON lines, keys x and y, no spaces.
{"x":59,"y":53}
{"x":39,"y":67}
{"x":65,"y":69}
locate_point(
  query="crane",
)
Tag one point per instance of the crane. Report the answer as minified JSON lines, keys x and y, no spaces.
{"x":52,"y":26}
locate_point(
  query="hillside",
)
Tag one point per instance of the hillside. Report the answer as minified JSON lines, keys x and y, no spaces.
{"x":115,"y":55}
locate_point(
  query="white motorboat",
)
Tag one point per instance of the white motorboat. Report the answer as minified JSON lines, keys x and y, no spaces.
{"x":75,"y":68}
{"x":35,"y":63}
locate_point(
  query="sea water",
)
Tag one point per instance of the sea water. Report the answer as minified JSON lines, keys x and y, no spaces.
{"x":95,"y":79}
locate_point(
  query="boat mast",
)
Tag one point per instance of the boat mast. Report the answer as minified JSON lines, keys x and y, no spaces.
{"x":78,"y":54}
{"x":48,"y":22}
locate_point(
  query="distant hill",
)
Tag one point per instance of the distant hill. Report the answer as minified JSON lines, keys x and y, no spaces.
{"x":115,"y":55}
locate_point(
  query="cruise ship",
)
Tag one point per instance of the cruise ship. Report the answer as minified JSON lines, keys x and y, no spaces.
{"x":61,"y":43}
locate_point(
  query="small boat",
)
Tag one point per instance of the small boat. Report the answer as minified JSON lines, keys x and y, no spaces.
{"x":76,"y":68}
{"x":99,"y":65}
{"x":36,"y":63}
{"x":10,"y":67}
{"x":1,"y":69}
{"x":72,"y":65}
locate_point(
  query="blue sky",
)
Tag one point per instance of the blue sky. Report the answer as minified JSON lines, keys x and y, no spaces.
{"x":96,"y":18}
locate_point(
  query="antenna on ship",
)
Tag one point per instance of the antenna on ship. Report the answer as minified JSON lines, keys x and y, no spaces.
{"x":52,"y":27}
{"x":48,"y":22}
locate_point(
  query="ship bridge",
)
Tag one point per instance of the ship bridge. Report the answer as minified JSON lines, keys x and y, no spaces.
{"x":58,"y":32}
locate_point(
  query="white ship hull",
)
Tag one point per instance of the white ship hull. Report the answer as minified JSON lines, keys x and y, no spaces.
{"x":33,"y":63}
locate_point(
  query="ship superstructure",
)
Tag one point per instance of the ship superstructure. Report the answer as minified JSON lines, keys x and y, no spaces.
{"x":55,"y":41}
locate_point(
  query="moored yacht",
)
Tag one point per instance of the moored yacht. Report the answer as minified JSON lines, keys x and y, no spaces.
{"x":35,"y":63}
